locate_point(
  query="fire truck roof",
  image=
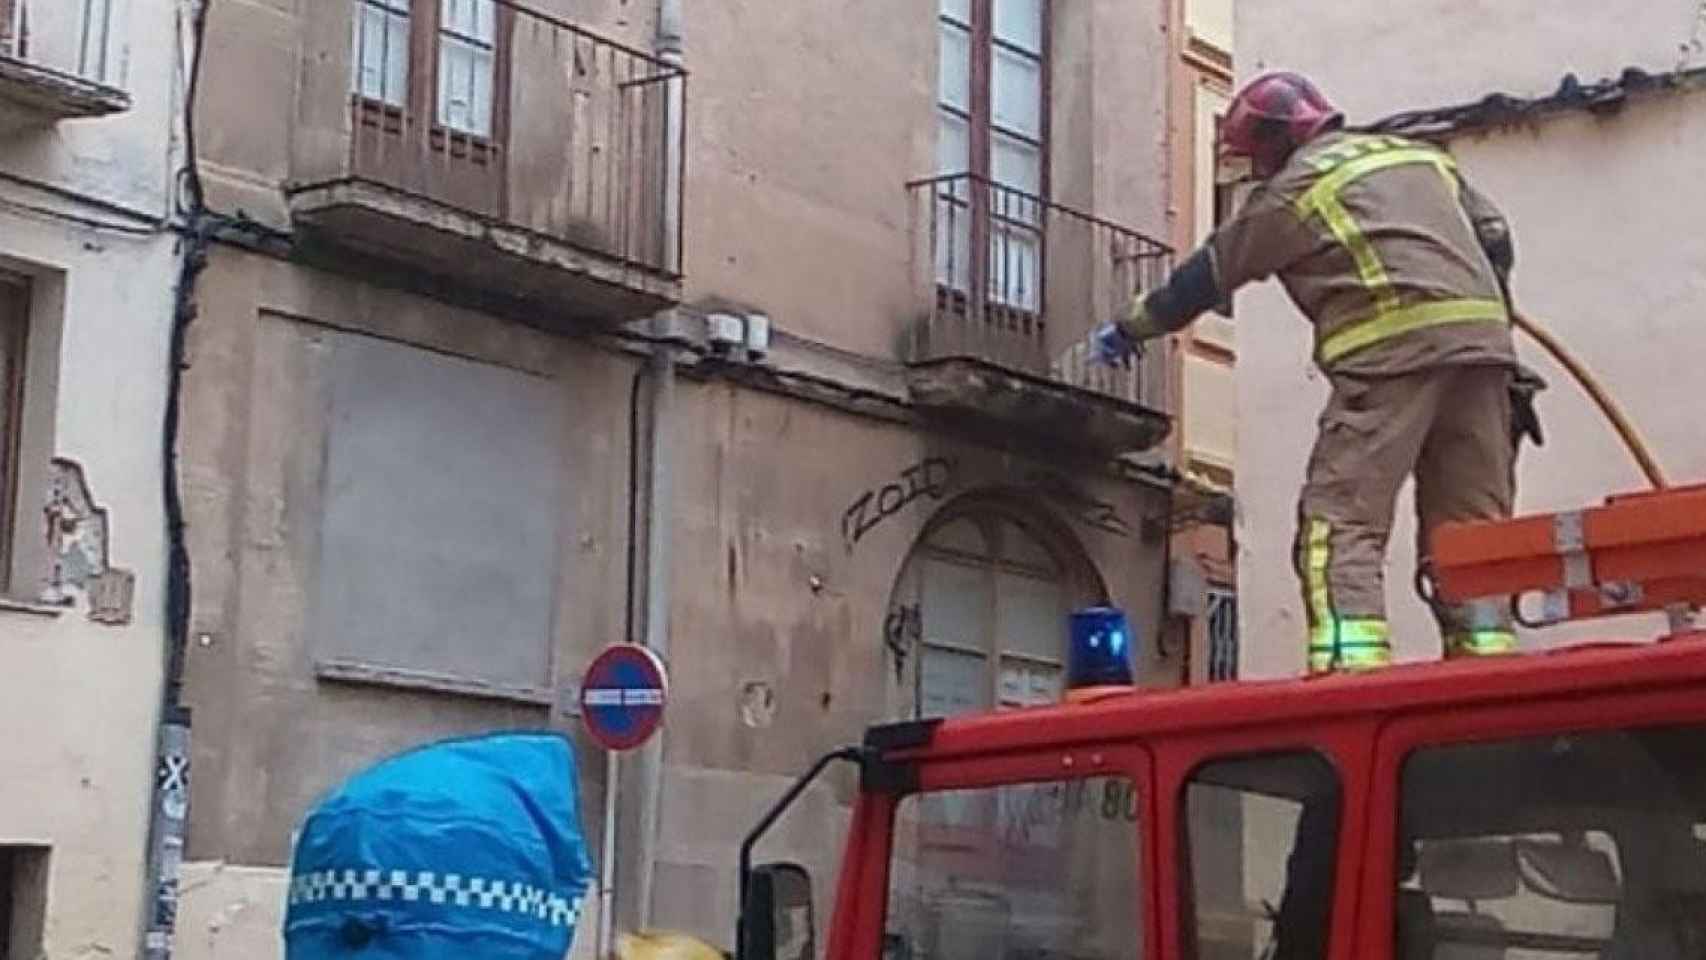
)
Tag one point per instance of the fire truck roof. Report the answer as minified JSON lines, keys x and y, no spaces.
{"x":1557,"y":676}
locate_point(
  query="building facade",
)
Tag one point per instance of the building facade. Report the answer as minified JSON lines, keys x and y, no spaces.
{"x":753,"y":332}
{"x":1586,"y":155}
{"x":89,"y":154}
{"x":1203,"y":573}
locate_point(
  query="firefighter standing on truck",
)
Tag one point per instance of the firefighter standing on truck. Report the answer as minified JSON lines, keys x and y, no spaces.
{"x":1402,"y":268}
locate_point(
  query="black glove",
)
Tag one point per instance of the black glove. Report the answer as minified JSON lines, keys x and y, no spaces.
{"x":1525,"y":422}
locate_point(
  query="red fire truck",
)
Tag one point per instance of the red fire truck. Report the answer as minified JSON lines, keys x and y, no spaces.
{"x":1548,"y":805}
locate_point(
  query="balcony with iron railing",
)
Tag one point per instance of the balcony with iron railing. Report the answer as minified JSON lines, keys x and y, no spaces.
{"x":1016,"y":285}
{"x":501,"y":148}
{"x":57,"y":62}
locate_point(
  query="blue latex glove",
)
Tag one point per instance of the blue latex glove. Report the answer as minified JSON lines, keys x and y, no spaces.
{"x":1111,"y":346}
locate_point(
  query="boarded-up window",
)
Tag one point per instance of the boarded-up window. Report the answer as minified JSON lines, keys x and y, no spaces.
{"x":438,"y":542}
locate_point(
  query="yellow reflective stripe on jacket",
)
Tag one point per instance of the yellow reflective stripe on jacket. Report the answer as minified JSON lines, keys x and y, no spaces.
{"x":1346,"y":165}
{"x":1391,"y":323}
{"x":1338,"y":176}
{"x":1341,"y":166}
{"x":1369,"y":268}
{"x":1355,"y":146}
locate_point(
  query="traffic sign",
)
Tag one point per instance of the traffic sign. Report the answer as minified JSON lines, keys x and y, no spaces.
{"x":623,"y":696}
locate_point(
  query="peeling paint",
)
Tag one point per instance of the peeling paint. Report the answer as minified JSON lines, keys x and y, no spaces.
{"x":76,"y":528}
{"x":757,"y":703}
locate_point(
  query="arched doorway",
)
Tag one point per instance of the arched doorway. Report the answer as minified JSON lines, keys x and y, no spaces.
{"x":1046,"y":868}
{"x":986,"y":592}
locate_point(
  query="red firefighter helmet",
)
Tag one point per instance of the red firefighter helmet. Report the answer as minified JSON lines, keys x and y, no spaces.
{"x":1273,"y":115}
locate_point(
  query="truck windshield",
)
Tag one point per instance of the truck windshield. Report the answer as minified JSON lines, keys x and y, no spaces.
{"x":1018,"y":872}
{"x":1568,"y":846}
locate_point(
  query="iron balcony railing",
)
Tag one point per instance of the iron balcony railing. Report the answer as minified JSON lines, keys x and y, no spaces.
{"x":70,"y":37}
{"x":1021,"y":282}
{"x":521,"y":117}
{"x":1222,"y":635}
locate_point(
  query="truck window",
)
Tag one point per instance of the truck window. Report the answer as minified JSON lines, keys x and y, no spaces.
{"x":1555,"y":848}
{"x":1019,"y":872}
{"x":1261,"y":833}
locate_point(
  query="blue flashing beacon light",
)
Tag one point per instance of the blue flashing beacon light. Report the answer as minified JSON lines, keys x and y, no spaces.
{"x":1100,"y":655}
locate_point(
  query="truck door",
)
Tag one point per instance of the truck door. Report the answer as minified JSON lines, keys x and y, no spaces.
{"x":1263,"y":858}
{"x":1535,"y":830}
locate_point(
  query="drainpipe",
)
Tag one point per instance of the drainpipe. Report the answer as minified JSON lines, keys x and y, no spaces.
{"x":632,"y":794}
{"x":649,"y":765}
{"x":668,"y":47}
{"x":638,"y":857}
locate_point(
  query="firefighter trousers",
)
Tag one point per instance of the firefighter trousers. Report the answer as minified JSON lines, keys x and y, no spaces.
{"x":1449,"y":428}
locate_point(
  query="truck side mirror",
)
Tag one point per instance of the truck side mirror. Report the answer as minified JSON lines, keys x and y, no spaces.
{"x":777,"y":920}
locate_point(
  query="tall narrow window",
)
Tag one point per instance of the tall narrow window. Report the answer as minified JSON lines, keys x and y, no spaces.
{"x":95,"y":55}
{"x":1016,"y":95}
{"x":991,"y":128}
{"x":381,"y":61}
{"x":431,"y":94}
{"x":14,"y":321}
{"x":954,"y":117}
{"x":468,"y":33}
{"x":12,"y":29}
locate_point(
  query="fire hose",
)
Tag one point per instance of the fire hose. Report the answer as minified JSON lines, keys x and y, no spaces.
{"x":1619,"y":422}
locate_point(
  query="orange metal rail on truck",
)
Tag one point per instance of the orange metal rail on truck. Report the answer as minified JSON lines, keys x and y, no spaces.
{"x":1535,"y":806}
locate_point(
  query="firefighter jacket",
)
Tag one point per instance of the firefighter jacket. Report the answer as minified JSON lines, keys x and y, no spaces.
{"x":1397,"y":262}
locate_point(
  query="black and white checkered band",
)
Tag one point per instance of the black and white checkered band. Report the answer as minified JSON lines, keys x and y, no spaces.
{"x":446,"y":889}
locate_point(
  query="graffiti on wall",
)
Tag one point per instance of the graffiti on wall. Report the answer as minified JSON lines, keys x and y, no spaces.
{"x":932,"y":477}
{"x":935,"y":478}
{"x":903,"y":628}
{"x":1080,"y":503}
